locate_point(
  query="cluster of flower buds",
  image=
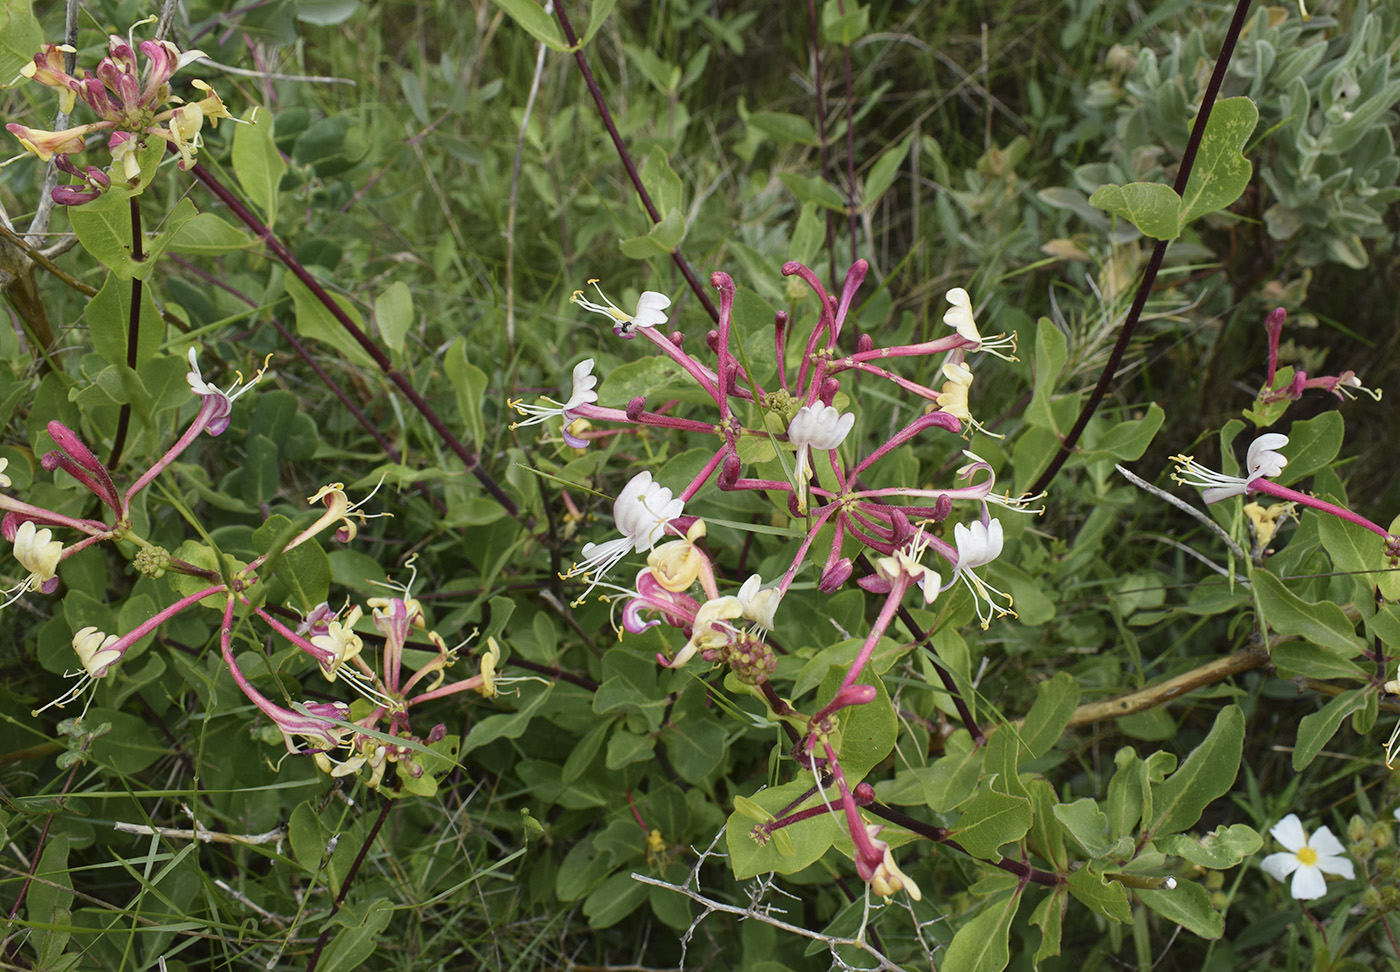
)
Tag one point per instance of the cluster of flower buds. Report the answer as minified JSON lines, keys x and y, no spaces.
{"x":131,"y":105}
{"x":802,"y":417}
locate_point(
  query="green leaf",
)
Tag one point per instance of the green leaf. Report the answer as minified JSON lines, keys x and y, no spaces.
{"x":509,"y":725}
{"x":537,"y":23}
{"x":1087,"y":824}
{"x":393,"y":312}
{"x":1049,"y":917}
{"x":109,"y":317}
{"x":1294,"y":659}
{"x":1051,"y":352}
{"x":1390,"y":581}
{"x":1127,"y":441}
{"x":661,"y":240}
{"x":315,"y":321}
{"x":104,"y":228}
{"x":1223,"y":847}
{"x":782,"y":127}
{"x":883,"y":171}
{"x":326,"y":13}
{"x":614,"y":900}
{"x":258,"y":164}
{"x":469,"y":383}
{"x":1221,"y":172}
{"x":1150,"y":206}
{"x":952,"y":778}
{"x":361,"y":924}
{"x":1316,"y":729}
{"x":814,"y":190}
{"x":1188,"y":904}
{"x":597,"y":16}
{"x":1047,"y":837}
{"x":208,"y":235}
{"x":1353,"y":548}
{"x":695,"y":741}
{"x":20,"y":38}
{"x":990,"y":820}
{"x":625,"y":747}
{"x":867,"y":731}
{"x":629,"y":685}
{"x":1207,"y":773}
{"x":982,"y":944}
{"x":1102,"y":897}
{"x":50,"y":894}
{"x":1312,"y":444}
{"x":1323,"y":623}
{"x":844,"y":22}
{"x":810,"y":839}
{"x":1055,"y":701}
{"x":662,"y":183}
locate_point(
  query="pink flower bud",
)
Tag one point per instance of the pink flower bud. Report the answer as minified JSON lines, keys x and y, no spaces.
{"x":676,"y":338}
{"x":865,"y":343}
{"x":834,"y":576}
{"x":729,"y":471}
{"x":864,"y":794}
{"x":635,"y":407}
{"x":712,"y":340}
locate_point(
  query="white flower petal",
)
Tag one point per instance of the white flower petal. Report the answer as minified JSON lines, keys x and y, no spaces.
{"x":1308,"y":883}
{"x":1279,"y":866}
{"x":1325,"y":844}
{"x":1340,"y":866}
{"x":1290,"y":833}
{"x":651,"y":309}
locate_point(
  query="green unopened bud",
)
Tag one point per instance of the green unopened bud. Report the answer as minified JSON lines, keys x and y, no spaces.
{"x":1371,"y":899}
{"x":1380,"y":835}
{"x":1361,"y":849}
{"x":1356,"y":829}
{"x":1390,"y":897}
{"x":1385,"y":866}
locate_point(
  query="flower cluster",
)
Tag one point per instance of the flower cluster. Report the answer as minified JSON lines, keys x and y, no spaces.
{"x":371,"y":736}
{"x":803,"y":419}
{"x":131,"y":105}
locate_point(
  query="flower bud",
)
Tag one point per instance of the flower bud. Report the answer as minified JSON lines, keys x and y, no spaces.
{"x":865,"y":343}
{"x":1356,"y":829}
{"x":941,"y":508}
{"x":1380,"y":835}
{"x":864,"y":794}
{"x":729,"y":471}
{"x":636,"y":406}
{"x":676,"y":338}
{"x":834,"y":576}
{"x":712,"y":340}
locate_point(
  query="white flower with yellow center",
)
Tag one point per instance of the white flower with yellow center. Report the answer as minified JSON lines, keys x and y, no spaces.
{"x":1306,"y":859}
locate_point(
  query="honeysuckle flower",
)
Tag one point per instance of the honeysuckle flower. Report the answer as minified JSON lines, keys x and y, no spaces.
{"x":978,"y":545}
{"x":905,"y":562}
{"x":1264,"y":521}
{"x":581,"y":393}
{"x":218,"y":402}
{"x":1263,"y":461}
{"x":95,"y":651}
{"x":490,"y":660}
{"x":678,"y":564}
{"x":759,"y":604}
{"x":38,"y":553}
{"x":887,"y":878}
{"x":340,"y":642}
{"x":711,"y":630}
{"x":130,"y":105}
{"x":651,"y":310}
{"x":816,"y":427}
{"x":959,"y":317}
{"x":641,"y":513}
{"x":1307,"y":859}
{"x":952,"y":397}
{"x":4,"y":480}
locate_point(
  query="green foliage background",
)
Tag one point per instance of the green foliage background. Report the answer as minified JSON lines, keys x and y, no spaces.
{"x":384,"y":156}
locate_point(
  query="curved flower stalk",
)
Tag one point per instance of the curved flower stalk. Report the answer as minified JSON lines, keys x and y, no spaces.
{"x":131,"y":105}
